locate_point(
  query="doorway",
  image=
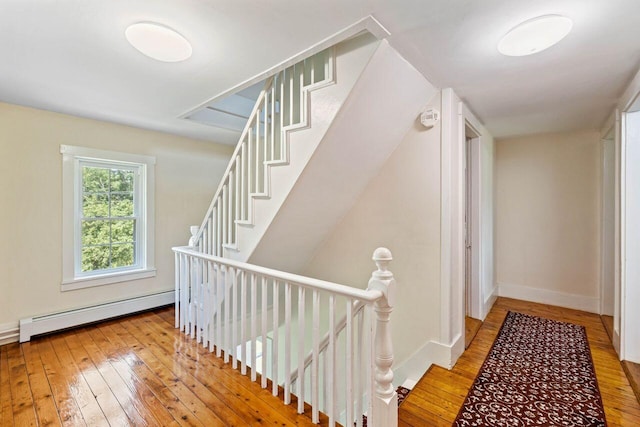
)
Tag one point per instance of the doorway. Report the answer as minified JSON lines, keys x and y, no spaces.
{"x":472,"y":234}
{"x":607,"y":261}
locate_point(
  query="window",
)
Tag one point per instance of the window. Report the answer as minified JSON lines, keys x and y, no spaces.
{"x":107,"y":217}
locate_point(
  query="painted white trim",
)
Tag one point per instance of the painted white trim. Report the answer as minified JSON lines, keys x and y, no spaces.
{"x":490,"y":300}
{"x":368,"y":23}
{"x":9,"y":332}
{"x":452,"y":218}
{"x":617,"y":233}
{"x":445,"y":215}
{"x":631,"y":94}
{"x":53,"y":322}
{"x":71,"y":158}
{"x":477,"y":247}
{"x":432,"y":352}
{"x":106,"y":279}
{"x":544,"y":296}
{"x":410,"y":384}
{"x":623,"y":235}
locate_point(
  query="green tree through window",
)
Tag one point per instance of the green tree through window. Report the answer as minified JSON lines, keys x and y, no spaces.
{"x":108,"y":223}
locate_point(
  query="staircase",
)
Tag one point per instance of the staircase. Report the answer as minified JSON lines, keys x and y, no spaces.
{"x":318,"y":133}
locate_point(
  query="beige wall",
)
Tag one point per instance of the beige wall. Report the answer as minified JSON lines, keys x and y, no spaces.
{"x":547,"y":215}
{"x":399,"y":209}
{"x":187,"y":173}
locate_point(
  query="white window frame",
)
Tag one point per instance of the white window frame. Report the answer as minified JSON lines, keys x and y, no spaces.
{"x":72,"y":160}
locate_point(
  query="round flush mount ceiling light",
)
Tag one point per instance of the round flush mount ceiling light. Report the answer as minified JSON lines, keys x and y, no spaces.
{"x":158,"y":42}
{"x":535,"y":35}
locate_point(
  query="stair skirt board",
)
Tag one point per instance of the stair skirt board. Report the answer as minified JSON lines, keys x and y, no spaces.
{"x":54,"y":322}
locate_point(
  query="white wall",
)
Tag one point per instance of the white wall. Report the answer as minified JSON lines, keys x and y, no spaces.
{"x":399,"y":209}
{"x":547,"y":219}
{"x":187,"y":174}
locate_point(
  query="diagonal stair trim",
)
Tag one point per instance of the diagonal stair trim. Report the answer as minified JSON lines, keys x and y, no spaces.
{"x":282,"y":107}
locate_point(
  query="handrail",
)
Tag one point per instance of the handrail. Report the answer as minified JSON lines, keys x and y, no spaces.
{"x":324,"y":343}
{"x":231,"y":307}
{"x":236,"y":152}
{"x":281,"y":107}
{"x":306,"y":282}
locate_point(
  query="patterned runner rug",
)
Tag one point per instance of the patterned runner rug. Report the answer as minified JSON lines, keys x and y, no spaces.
{"x":539,"y":372}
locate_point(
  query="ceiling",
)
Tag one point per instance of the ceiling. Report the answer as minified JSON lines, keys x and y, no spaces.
{"x":72,"y":56}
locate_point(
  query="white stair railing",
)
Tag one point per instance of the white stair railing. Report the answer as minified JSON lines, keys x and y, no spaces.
{"x":257,"y":317}
{"x":282,"y":106}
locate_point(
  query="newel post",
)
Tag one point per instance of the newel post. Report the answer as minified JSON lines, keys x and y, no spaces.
{"x":192,"y":240}
{"x":385,"y":399}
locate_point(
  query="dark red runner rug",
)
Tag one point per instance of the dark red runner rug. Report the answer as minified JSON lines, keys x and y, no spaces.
{"x":539,"y":372}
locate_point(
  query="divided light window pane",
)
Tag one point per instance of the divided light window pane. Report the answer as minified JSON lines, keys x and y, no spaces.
{"x":108,"y":226}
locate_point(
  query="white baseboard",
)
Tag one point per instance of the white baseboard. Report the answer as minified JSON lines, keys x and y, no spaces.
{"x":9,"y":332}
{"x":53,"y":322}
{"x":412,"y":369}
{"x":544,"y":296}
{"x":489,"y":301}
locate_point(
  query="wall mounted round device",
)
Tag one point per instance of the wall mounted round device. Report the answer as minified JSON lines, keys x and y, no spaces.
{"x":430,"y":117}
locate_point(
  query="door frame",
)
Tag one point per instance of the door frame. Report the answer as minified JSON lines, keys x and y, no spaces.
{"x":608,"y":142}
{"x":475,"y":303}
{"x":628,"y":102}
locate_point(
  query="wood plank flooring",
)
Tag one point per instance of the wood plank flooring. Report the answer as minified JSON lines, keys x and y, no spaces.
{"x":438,"y":396}
{"x":607,"y":322}
{"x":136,"y":371}
{"x":633,"y":374}
{"x":139,"y":370}
{"x":471,"y":328}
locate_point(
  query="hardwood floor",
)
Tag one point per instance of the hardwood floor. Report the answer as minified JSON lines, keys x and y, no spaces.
{"x":471,"y":328}
{"x":137,"y":370}
{"x":632,"y":370}
{"x":607,"y":322}
{"x":438,"y":396}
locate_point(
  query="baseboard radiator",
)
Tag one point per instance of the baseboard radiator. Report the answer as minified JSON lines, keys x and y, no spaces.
{"x":9,"y":333}
{"x":32,"y":326}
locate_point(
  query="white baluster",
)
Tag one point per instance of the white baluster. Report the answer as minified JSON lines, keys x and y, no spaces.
{"x":213,"y":267}
{"x":176,"y":296}
{"x":229,"y":221}
{"x":234,"y":334}
{"x":273,"y":121}
{"x":184,"y":288}
{"x":224,"y":208}
{"x":222,"y":273}
{"x":385,"y":400}
{"x":200,"y":300}
{"x":331,"y":365}
{"x":301,"y":353}
{"x":254,"y":325}
{"x":243,"y":183}
{"x":276,"y":330}
{"x":228,"y":280}
{"x":243,"y":322}
{"x":193,"y":295}
{"x":264,"y":298}
{"x":349,"y":363}
{"x":250,"y":169}
{"x":315,"y":416}
{"x":287,"y":343}
{"x":360,"y":368}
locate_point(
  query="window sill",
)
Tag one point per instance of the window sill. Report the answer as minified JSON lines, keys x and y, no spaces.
{"x":106,"y":279}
